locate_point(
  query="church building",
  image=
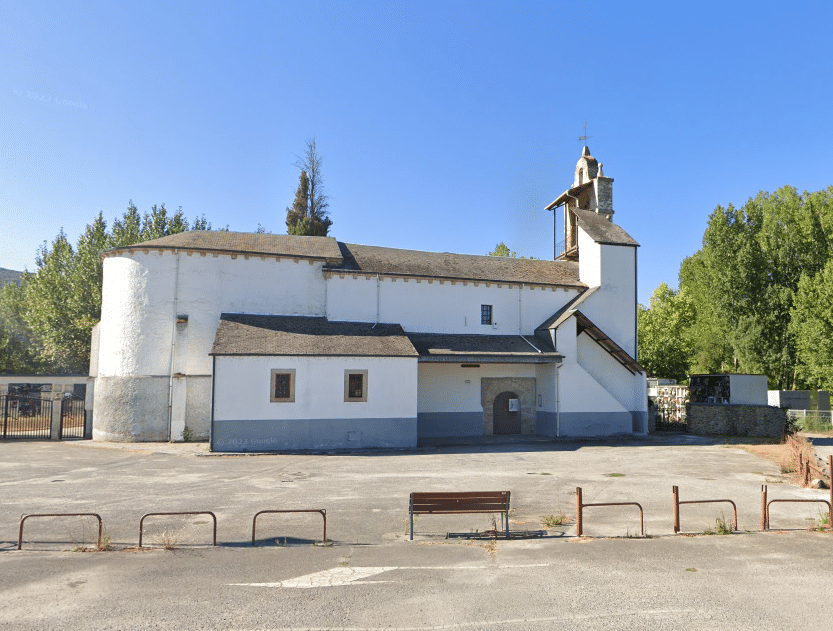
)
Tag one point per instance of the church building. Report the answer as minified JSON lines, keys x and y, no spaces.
{"x":262,"y":342}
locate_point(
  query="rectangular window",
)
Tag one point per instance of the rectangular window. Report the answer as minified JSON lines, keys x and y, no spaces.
{"x":355,"y":385}
{"x":485,"y":314}
{"x":282,"y":386}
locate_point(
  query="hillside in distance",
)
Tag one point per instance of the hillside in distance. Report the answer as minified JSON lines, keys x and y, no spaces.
{"x":9,"y":276}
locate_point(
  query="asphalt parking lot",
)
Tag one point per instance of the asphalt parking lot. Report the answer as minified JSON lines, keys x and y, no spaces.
{"x":370,"y":575}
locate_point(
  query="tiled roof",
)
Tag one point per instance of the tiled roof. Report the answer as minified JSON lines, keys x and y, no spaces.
{"x":483,"y":348}
{"x":249,"y":334}
{"x":413,"y":263}
{"x":247,"y":243}
{"x":601,"y":230}
{"x":373,"y":259}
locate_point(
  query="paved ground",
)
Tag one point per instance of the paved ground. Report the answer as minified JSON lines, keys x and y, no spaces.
{"x":370,"y":575}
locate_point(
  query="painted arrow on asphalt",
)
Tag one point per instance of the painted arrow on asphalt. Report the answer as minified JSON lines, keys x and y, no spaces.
{"x":339,"y":576}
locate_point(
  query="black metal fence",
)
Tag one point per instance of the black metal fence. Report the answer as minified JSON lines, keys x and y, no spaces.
{"x":26,"y":417}
{"x":72,"y":417}
{"x":670,"y":418}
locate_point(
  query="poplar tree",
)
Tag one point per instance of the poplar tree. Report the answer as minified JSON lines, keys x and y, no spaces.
{"x":308,"y":215}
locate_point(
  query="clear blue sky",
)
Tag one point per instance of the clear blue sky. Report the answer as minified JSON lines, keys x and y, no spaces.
{"x":444,"y":126}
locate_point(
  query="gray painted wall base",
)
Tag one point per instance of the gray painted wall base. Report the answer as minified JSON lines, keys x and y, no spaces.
{"x":585,"y":424}
{"x":245,"y":436}
{"x":546,"y":424}
{"x":640,"y":422}
{"x":449,"y":424}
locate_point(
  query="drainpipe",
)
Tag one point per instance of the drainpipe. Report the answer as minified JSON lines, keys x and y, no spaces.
{"x":378,"y":301}
{"x":520,"y":308}
{"x":558,"y":400}
{"x":211,"y":426}
{"x":173,"y":347}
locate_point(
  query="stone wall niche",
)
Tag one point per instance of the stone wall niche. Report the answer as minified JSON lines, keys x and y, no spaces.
{"x":524,"y":387}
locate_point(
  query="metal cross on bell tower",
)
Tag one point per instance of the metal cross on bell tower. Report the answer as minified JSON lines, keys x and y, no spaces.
{"x":584,"y":137}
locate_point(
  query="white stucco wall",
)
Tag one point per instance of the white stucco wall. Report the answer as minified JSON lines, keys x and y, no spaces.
{"x":242,"y":388}
{"x":434,"y":306}
{"x":748,"y":390}
{"x":139,"y":304}
{"x":589,"y":260}
{"x":627,"y":388}
{"x":451,"y":388}
{"x":546,"y":376}
{"x":613,"y":306}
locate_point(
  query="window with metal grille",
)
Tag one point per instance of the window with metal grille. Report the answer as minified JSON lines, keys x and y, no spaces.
{"x":355,"y":385}
{"x":283,"y":385}
{"x":485,"y":314}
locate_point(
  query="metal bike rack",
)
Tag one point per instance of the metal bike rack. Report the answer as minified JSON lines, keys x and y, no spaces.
{"x":25,"y":517}
{"x":204,"y":512}
{"x":580,"y":507}
{"x":322,"y":511}
{"x":676,"y":492}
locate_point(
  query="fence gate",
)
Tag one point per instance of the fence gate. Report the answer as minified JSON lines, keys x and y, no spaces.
{"x":72,"y":417}
{"x":26,"y":417}
{"x":669,"y":418}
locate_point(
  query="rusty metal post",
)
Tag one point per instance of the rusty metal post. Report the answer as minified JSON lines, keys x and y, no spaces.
{"x":807,"y":473}
{"x":830,"y":471}
{"x":675,"y":491}
{"x":578,"y":511}
{"x":763,"y":507}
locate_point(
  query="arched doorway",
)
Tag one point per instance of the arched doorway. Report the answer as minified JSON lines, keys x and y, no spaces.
{"x":506,"y":421}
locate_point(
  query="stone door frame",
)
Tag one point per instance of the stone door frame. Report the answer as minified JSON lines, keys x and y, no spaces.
{"x":524,"y":387}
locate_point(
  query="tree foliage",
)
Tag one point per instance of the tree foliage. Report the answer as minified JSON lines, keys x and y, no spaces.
{"x":757,"y":288}
{"x":62,"y":297}
{"x":308,"y":214}
{"x":664,"y":347}
{"x":501,"y":249}
{"x":812,"y":326}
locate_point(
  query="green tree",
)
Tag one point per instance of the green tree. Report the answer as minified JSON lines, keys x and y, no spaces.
{"x":297,"y":217}
{"x":17,"y":351}
{"x":63,"y":295}
{"x":744,"y":280}
{"x":501,"y":249}
{"x":158,"y":223}
{"x":309,"y":215}
{"x":664,"y":344}
{"x":812,"y":326}
{"x":707,"y":335}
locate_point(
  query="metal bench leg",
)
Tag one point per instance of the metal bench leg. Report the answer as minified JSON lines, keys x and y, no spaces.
{"x":412,"y":525}
{"x":507,"y":523}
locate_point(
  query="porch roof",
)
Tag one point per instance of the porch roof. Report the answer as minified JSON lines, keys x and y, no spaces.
{"x":253,"y":334}
{"x":510,"y":349}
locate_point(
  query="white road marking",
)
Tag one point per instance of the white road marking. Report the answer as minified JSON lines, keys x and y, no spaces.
{"x":338,"y":576}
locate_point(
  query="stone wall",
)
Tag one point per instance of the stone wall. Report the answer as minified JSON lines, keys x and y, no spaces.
{"x":524,"y":387}
{"x":761,"y":421}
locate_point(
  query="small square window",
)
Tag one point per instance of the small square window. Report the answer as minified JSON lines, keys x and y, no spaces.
{"x":282,"y":385}
{"x":355,"y":385}
{"x":485,"y":314}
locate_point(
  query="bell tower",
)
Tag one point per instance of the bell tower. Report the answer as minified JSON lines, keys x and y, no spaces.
{"x":591,"y":191}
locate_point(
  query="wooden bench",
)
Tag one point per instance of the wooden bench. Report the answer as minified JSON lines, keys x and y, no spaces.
{"x":453,"y":503}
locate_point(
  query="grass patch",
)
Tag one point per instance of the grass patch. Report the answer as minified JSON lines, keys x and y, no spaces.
{"x":614,"y":475}
{"x":691,"y":569}
{"x":551,"y":521}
